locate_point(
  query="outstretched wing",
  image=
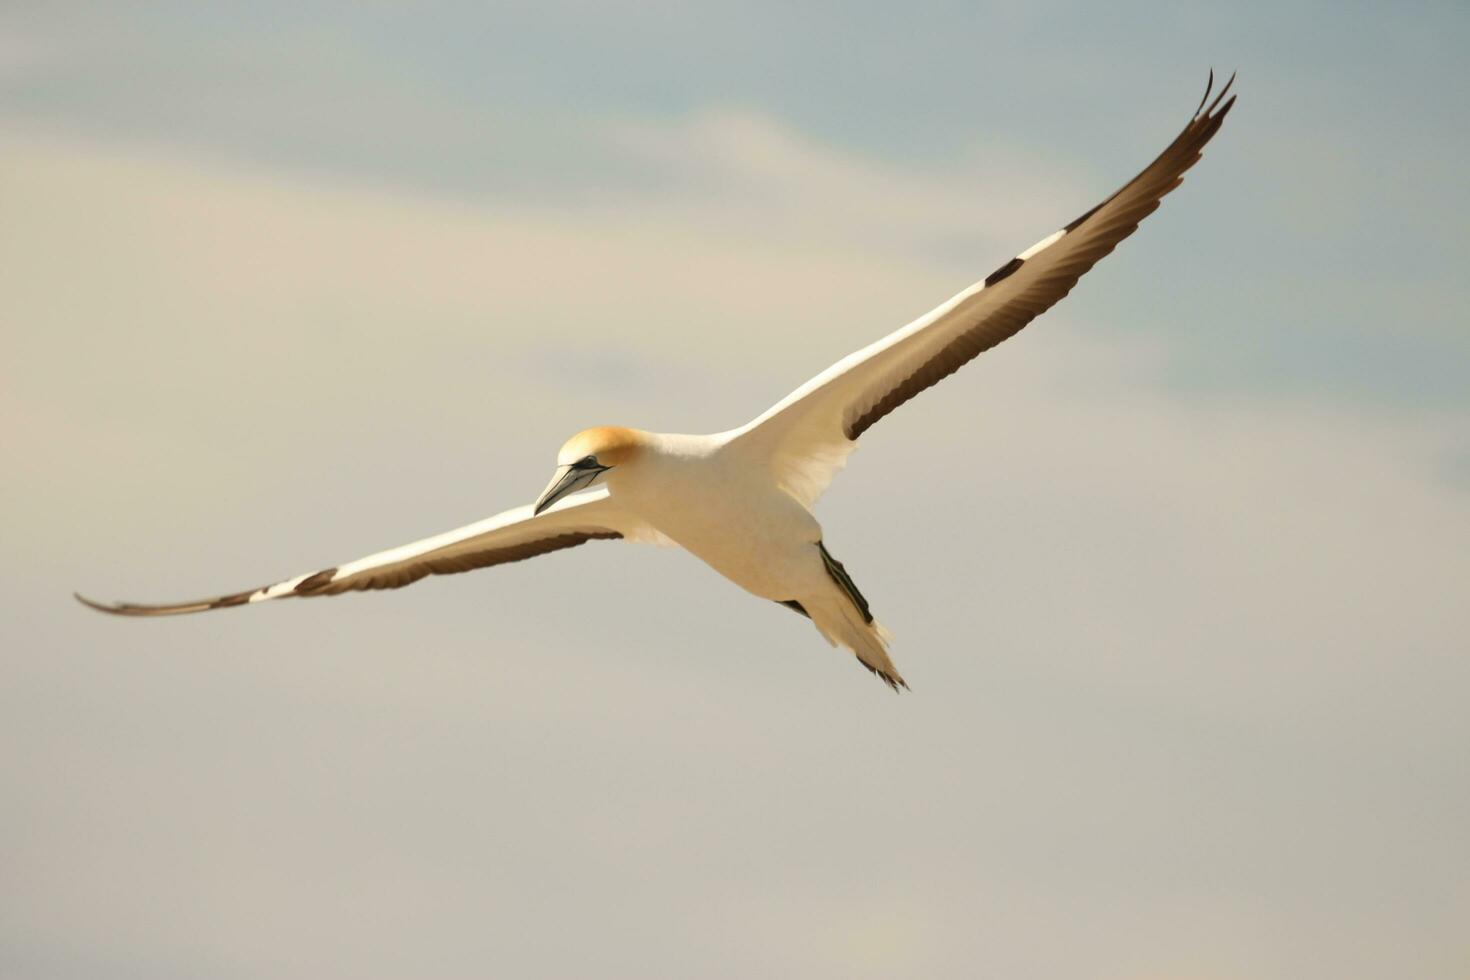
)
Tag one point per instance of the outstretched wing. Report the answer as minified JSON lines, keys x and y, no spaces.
{"x":511,"y":536}
{"x":807,"y":436}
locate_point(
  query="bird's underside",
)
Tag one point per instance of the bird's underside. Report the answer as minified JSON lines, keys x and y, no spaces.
{"x":794,"y":448}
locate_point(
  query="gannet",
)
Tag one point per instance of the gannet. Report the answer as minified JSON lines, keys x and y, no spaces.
{"x":741,"y":500}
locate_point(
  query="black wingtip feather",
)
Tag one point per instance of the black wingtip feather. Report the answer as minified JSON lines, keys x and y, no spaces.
{"x":1206,"y":97}
{"x":1223,"y":92}
{"x":133,"y":608}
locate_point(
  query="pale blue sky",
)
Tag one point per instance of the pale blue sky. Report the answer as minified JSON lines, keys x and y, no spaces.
{"x":1178,"y":575}
{"x":1333,"y":270}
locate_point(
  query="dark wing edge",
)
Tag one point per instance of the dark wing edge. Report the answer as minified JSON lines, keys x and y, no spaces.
{"x":333,"y":581}
{"x":1088,"y":238}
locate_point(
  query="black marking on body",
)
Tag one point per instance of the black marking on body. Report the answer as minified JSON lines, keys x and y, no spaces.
{"x":1004,"y":271}
{"x":794,"y":605}
{"x":845,"y":582}
{"x":238,"y":599}
{"x":312,"y":583}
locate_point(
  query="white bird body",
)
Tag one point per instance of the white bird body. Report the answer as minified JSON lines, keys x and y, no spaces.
{"x":716,"y":498}
{"x":741,"y":500}
{"x":710,"y":500}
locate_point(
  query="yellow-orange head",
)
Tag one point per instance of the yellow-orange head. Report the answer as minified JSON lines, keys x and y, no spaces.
{"x":606,"y":445}
{"x":589,"y":454}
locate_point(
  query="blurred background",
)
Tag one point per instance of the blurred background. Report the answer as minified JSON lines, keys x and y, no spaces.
{"x":1179,"y":576}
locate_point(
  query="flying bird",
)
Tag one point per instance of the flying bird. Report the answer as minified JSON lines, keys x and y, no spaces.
{"x":742,"y":500}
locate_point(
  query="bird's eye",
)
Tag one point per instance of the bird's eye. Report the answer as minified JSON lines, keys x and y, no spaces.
{"x":586,"y":462}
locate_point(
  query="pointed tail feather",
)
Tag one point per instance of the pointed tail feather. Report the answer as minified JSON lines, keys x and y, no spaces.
{"x":843,"y":625}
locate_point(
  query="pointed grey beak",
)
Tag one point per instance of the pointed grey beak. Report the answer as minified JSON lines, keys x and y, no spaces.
{"x":567,"y":479}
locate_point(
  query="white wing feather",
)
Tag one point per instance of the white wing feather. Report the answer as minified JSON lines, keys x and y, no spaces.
{"x":514,"y":535}
{"x":807,"y":436}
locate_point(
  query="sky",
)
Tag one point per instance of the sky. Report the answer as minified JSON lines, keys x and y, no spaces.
{"x":1178,"y":575}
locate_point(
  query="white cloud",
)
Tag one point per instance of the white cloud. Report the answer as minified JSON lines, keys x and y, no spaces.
{"x":738,"y":167}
